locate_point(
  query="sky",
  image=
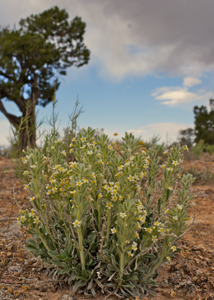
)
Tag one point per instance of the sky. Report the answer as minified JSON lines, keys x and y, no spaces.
{"x":151,"y":62}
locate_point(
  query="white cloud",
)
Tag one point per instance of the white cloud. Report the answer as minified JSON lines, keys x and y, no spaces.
{"x":127,"y":39}
{"x":4,"y":133}
{"x":180,"y":95}
{"x":191,"y":81}
{"x":168,"y":131}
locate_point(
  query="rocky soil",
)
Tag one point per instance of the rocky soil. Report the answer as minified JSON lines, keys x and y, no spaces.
{"x":189,"y":276}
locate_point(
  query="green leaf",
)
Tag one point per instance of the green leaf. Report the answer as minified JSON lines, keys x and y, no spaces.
{"x":85,"y":274}
{"x":63,"y":271}
{"x":53,"y":253}
{"x":114,"y":263}
{"x":32,"y":243}
{"x":31,"y":248}
{"x":133,"y":277}
{"x":149,"y":255}
{"x":59,"y":263}
{"x":159,"y":206}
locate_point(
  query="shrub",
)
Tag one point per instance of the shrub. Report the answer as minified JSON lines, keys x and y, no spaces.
{"x":210,"y":149}
{"x":105,"y":221}
{"x":199,"y":148}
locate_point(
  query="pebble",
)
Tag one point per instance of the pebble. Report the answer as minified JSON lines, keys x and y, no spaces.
{"x":17,"y":269}
{"x":66,"y":297}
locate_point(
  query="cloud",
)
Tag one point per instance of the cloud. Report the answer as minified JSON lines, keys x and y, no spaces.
{"x":4,"y":133}
{"x":181,"y":95}
{"x":168,"y":131}
{"x":191,"y":81}
{"x":140,"y":39}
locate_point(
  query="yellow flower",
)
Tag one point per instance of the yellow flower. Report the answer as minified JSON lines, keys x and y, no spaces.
{"x":77,"y":223}
{"x":134,"y":246}
{"x":123,"y":215}
{"x":170,"y":188}
{"x":154,"y":238}
{"x":136,"y":235}
{"x":73,"y":192}
{"x":114,"y":192}
{"x":52,"y":148}
{"x":54,"y":189}
{"x":175,"y":163}
{"x":36,"y":220}
{"x":115,"y":134}
{"x":32,"y":198}
{"x":130,"y":178}
{"x":161,"y":230}
{"x":109,"y":205}
{"x":173,"y":248}
{"x":130,"y":254}
{"x":149,"y":230}
{"x":114,"y":198}
{"x":113,"y":230}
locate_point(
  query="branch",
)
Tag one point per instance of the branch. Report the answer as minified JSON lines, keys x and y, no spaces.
{"x":12,"y":119}
{"x":7,"y":219}
{"x":5,"y":75}
{"x":21,"y":104}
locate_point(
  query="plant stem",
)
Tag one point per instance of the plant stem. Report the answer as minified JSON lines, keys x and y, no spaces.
{"x":109,"y":226}
{"x":82,"y":258}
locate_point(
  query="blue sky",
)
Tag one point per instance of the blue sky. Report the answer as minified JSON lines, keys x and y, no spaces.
{"x":151,"y":63}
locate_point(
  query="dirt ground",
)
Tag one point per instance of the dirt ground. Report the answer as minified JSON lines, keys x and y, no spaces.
{"x":189,"y":276}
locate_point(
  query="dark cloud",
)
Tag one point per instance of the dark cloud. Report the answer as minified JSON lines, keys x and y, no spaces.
{"x":172,"y":36}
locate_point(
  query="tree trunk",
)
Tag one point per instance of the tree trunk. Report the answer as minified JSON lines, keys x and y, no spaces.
{"x":27,"y":134}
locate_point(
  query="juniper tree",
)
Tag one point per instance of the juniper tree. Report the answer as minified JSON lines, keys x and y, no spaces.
{"x":30,"y":59}
{"x":204,"y":123}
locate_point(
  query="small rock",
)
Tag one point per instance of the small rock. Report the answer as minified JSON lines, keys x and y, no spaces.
{"x":200,"y":248}
{"x":17,"y":269}
{"x":198,"y":271}
{"x":66,"y":297}
{"x":43,"y":288}
{"x":164,"y":283}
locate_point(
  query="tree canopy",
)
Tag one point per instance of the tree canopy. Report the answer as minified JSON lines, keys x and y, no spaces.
{"x":44,"y":43}
{"x":204,"y":123}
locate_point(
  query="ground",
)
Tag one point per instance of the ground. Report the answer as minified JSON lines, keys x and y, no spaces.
{"x":189,"y":276}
